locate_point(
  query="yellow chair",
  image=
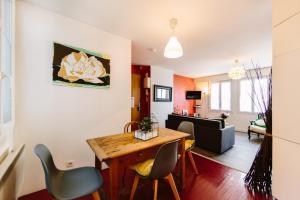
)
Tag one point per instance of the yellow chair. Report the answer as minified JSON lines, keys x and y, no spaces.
{"x":188,"y":127}
{"x":160,"y":167}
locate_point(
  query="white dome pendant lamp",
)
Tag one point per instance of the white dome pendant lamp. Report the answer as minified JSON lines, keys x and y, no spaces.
{"x":237,"y":71}
{"x":173,"y":48}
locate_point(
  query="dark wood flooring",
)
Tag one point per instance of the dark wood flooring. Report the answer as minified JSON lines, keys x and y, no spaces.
{"x":214,"y":182}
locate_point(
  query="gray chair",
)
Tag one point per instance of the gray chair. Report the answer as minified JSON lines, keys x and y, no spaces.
{"x":159,"y":167}
{"x":68,"y":184}
{"x":188,"y":127}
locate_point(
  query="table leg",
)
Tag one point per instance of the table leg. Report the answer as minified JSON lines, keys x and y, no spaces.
{"x":98,"y":164}
{"x":182,"y":163}
{"x":114,"y":179}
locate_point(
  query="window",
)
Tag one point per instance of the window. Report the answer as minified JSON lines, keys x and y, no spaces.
{"x":215,"y":96}
{"x":6,"y":61}
{"x":220,"y":96}
{"x":253,"y":95}
{"x":261,"y":91}
{"x":245,"y":96}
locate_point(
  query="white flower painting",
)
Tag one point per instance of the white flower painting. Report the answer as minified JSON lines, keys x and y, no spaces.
{"x":79,"y":67}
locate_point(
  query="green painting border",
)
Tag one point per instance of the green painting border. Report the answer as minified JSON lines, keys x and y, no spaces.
{"x":61,"y":83}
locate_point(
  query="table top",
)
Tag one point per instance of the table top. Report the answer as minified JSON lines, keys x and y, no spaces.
{"x":113,"y":146}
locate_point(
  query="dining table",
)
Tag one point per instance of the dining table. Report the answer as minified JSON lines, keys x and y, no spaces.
{"x":120,"y":151}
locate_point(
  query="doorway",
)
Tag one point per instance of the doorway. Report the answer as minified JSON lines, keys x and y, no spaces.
{"x":140,"y":92}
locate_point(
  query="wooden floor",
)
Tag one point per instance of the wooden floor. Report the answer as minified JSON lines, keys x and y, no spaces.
{"x":214,"y":182}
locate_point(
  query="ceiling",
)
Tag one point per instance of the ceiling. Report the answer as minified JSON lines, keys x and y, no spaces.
{"x":213,"y":33}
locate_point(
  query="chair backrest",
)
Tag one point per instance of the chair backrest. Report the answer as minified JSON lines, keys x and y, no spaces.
{"x":128,"y":125}
{"x":165,"y":160}
{"x":49,"y":167}
{"x":187,"y":127}
{"x":260,"y":115}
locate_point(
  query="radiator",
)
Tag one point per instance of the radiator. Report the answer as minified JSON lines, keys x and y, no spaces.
{"x":11,"y":173}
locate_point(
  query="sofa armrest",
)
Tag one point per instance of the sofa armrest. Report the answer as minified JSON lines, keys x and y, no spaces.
{"x":228,"y":138}
{"x":228,"y":128}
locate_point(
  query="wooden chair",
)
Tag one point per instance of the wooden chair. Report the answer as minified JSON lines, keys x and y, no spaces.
{"x":129,"y":125}
{"x":68,"y":184}
{"x":188,"y":127}
{"x":126,"y":130}
{"x":159,"y":167}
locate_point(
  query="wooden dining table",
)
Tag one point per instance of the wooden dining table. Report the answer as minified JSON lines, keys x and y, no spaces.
{"x":119,"y":151}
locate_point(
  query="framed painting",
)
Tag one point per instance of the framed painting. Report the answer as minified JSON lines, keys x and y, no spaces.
{"x":162,"y":93}
{"x":78,"y":67}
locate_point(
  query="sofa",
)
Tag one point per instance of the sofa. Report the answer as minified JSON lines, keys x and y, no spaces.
{"x":210,"y":134}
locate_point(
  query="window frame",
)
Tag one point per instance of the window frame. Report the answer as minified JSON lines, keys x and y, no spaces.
{"x":6,"y":128}
{"x":220,"y":97}
{"x":252,"y":95}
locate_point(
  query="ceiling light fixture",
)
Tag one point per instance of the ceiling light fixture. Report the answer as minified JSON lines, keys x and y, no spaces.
{"x":173,"y":48}
{"x":237,"y":71}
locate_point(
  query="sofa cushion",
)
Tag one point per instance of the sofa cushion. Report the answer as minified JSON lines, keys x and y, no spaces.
{"x":215,"y":124}
{"x":260,"y":123}
{"x":221,"y":120}
{"x":257,"y":129}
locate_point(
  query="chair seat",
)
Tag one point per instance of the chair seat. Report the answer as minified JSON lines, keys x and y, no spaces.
{"x":143,"y":168}
{"x":260,"y":123}
{"x":75,"y":183}
{"x":189,"y":144}
{"x":257,"y":129}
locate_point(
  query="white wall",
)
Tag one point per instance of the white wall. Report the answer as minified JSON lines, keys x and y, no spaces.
{"x":286,"y":98}
{"x":64,"y":117}
{"x":161,"y":76}
{"x":239,"y":119}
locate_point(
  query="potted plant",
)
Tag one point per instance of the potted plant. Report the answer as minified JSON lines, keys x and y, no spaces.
{"x":148,"y":129}
{"x":225,"y":115}
{"x":146,"y":125}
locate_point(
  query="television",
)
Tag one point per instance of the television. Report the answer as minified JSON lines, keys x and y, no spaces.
{"x":193,"y":95}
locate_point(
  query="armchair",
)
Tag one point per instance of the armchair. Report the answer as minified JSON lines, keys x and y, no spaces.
{"x":257,"y":126}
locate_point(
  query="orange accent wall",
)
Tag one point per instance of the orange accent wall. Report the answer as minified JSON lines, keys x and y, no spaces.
{"x":182,"y":84}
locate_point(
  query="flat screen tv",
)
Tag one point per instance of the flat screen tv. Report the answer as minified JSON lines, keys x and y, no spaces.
{"x":193,"y":95}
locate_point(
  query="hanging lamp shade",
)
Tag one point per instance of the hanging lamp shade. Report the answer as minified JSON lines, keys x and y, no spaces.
{"x":237,"y":71}
{"x":173,"y":48}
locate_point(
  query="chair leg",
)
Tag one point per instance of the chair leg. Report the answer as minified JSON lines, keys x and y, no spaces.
{"x":173,"y":186}
{"x":249,"y":134}
{"x":155,"y":185}
{"x":96,"y":195}
{"x":192,"y":162}
{"x":134,"y":186}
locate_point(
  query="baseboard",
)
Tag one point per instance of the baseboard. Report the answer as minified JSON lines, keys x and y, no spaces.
{"x":242,"y":130}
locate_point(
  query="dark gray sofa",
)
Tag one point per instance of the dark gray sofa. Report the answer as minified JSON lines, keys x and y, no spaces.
{"x":210,"y":134}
